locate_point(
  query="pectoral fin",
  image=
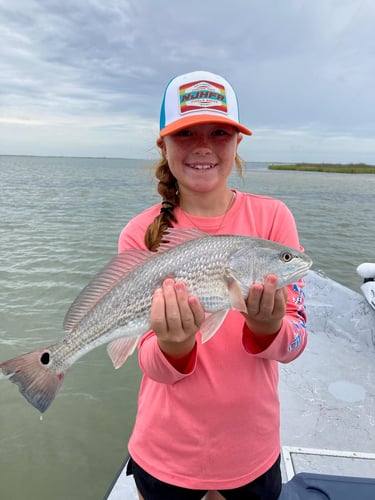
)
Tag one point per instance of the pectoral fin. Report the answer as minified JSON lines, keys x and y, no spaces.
{"x":211,"y":324}
{"x":235,"y":294}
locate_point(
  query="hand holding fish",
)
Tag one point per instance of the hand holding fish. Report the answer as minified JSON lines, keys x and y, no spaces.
{"x":175,"y":318}
{"x":266,"y":306}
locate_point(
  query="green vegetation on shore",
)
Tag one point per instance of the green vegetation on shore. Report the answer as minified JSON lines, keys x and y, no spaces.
{"x":343,"y":168}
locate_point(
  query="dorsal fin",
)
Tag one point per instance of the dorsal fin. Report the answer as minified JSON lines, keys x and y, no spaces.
{"x":174,"y":236}
{"x":103,"y":283}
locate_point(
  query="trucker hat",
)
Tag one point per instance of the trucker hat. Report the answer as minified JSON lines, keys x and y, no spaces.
{"x":198,"y":97}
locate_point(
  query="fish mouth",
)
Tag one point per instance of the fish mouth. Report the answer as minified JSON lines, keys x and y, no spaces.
{"x":296,"y":275}
{"x":301,"y":273}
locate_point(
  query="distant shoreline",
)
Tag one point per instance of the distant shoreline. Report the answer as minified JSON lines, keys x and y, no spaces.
{"x":347,"y":168}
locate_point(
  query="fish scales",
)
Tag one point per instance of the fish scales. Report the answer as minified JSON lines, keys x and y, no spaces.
{"x":196,"y":265}
{"x":115,"y":307}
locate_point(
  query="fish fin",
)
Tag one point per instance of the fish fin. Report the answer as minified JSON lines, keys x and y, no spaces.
{"x":120,"y":349}
{"x":212,"y":323}
{"x":173,"y":237}
{"x":113,"y":273}
{"x":235,"y":294}
{"x":37,"y":381}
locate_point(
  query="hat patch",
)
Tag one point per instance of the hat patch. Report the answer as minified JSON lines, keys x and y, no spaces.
{"x":202,"y":95}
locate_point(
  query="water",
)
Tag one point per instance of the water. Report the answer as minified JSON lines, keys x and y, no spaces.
{"x":59,"y":223}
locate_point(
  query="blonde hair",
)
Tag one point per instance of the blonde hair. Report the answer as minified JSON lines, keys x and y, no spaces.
{"x":168,"y":190}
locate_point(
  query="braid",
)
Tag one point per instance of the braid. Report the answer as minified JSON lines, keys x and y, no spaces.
{"x":167,"y":188}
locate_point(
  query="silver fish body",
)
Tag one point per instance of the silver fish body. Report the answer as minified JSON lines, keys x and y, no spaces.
{"x":115,"y":307}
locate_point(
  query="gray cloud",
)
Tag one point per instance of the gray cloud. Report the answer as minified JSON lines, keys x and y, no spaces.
{"x":86,"y":77}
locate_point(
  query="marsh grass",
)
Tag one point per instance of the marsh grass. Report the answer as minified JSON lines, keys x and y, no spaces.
{"x":347,"y":168}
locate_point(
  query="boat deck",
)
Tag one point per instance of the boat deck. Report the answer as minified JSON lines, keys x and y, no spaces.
{"x":328,"y":394}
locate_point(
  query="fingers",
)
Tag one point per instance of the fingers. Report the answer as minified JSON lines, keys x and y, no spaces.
{"x":191,"y":312}
{"x":173,"y":299}
{"x":265,"y":299}
{"x":173,"y":312}
{"x":157,"y":315}
{"x":266,"y":305}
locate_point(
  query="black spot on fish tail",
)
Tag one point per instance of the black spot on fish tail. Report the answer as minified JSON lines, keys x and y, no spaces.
{"x":45,"y":358}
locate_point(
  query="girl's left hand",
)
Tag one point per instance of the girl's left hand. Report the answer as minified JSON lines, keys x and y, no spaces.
{"x":266,"y":306}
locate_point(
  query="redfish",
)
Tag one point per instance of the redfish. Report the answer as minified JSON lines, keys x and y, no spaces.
{"x":114,"y":308}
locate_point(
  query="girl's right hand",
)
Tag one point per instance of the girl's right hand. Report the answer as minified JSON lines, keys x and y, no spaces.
{"x":175,"y":318}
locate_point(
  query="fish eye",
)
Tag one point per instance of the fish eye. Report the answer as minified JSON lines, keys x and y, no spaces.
{"x":286,"y":256}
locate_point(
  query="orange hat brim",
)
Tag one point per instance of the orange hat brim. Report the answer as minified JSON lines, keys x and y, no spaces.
{"x":188,"y":121}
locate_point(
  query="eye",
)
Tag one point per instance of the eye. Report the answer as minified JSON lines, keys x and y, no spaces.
{"x":220,"y":132}
{"x":224,"y":130}
{"x":185,"y":132}
{"x":286,"y":256}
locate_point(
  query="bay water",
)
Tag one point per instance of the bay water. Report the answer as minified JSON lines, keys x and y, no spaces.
{"x":59,"y":223}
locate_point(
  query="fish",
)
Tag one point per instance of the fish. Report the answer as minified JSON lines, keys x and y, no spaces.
{"x":114,"y":308}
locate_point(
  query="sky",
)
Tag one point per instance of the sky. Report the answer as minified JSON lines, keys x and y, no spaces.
{"x":86,"y":77}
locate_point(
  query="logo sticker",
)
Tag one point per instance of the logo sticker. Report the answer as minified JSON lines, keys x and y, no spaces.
{"x":202,"y":95}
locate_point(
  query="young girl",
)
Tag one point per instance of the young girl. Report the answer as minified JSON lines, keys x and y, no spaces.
{"x":208,"y":414}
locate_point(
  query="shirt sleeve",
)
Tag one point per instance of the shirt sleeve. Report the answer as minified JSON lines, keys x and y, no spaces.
{"x":291,"y":339}
{"x":155,"y":364}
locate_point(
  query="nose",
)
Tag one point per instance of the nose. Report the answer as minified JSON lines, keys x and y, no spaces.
{"x":202,"y":144}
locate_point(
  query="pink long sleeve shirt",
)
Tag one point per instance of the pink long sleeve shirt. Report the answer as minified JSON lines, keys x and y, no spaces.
{"x":217,"y":425}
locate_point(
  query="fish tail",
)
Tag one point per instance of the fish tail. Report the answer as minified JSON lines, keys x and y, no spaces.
{"x":37,"y":380}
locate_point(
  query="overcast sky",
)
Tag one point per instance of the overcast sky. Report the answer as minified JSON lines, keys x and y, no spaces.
{"x":86,"y":77}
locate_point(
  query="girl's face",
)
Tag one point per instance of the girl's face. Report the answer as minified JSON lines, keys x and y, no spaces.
{"x":201,"y":157}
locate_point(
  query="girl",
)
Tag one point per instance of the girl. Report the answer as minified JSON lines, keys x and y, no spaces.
{"x":208,"y":414}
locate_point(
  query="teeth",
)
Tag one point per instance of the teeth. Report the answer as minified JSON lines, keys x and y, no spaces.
{"x":202,"y":167}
